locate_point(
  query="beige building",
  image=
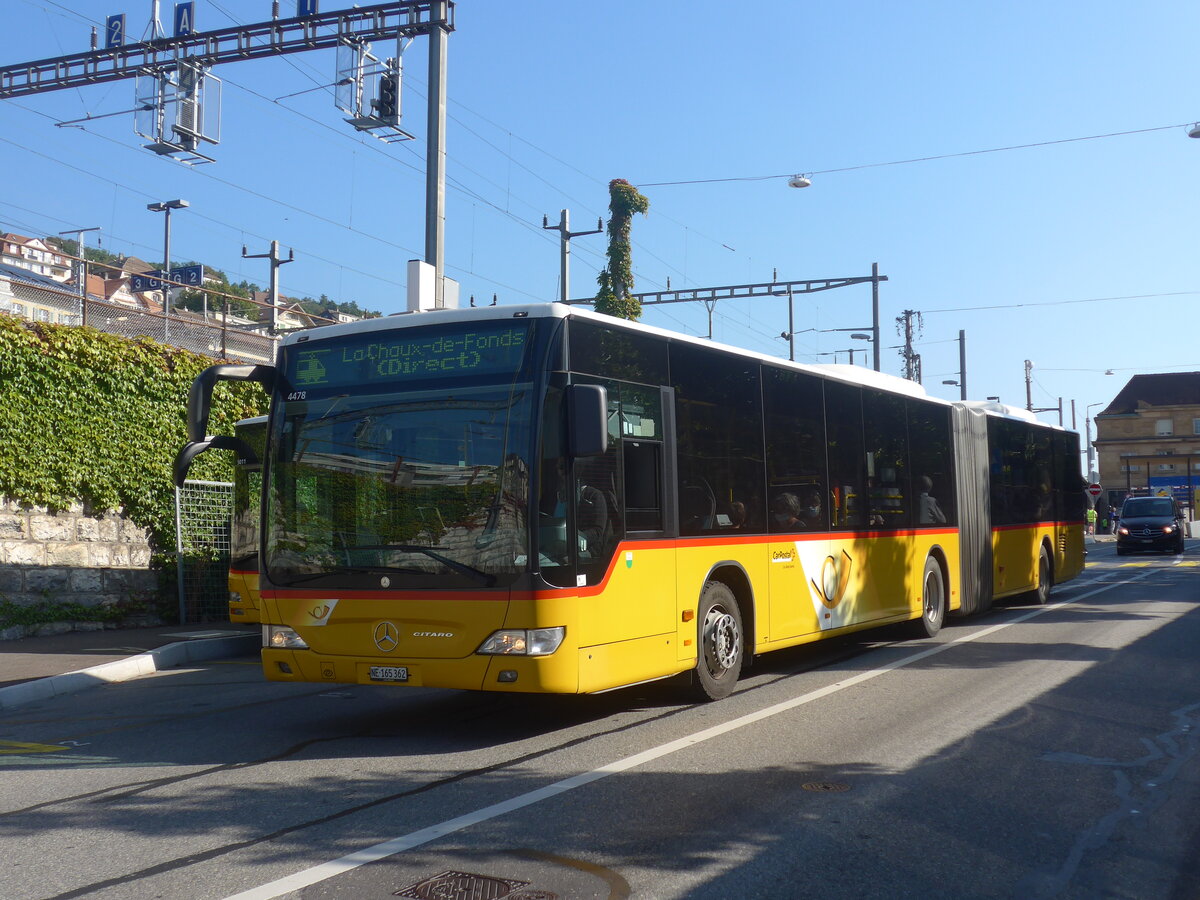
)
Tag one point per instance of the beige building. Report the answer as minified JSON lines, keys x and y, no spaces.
{"x":35,"y":255}
{"x":1148,"y":438}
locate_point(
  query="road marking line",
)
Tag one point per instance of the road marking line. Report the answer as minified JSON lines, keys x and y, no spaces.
{"x":16,"y":748}
{"x":327,"y":870}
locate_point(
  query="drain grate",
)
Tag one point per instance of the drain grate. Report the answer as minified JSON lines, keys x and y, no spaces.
{"x":464,"y":886}
{"x":825,"y":787}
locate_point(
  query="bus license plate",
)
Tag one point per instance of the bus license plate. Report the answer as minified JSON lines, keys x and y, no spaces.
{"x":388,"y":673}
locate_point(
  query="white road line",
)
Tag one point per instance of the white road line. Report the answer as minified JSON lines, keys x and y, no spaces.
{"x":351,"y":861}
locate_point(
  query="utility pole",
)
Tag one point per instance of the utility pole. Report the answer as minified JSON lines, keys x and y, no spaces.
{"x":875,"y":311}
{"x":1028,"y":386}
{"x":435,"y":164}
{"x":565,"y":234}
{"x":912,"y":360}
{"x":81,"y":269}
{"x":276,"y":262}
{"x":962,"y":364}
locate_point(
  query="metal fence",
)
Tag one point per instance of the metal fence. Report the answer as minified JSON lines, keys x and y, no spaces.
{"x":209,"y":334}
{"x":202,"y":511}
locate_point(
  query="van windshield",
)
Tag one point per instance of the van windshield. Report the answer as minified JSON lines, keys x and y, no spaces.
{"x":1148,"y":506}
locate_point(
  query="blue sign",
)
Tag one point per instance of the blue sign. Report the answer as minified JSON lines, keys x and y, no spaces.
{"x":185,"y":18}
{"x":114,"y":31}
{"x":191,"y":276}
{"x":306,"y":7}
{"x":184,"y":276}
{"x":139,"y":284}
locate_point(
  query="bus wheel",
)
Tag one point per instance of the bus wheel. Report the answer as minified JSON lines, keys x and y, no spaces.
{"x":1041,"y":594}
{"x":933,"y":600}
{"x":719,"y":636}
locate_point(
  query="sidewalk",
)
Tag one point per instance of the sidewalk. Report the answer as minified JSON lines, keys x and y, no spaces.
{"x":37,"y":668}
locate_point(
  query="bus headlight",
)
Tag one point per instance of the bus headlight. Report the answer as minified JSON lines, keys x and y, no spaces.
{"x":235,"y":597}
{"x":523,"y":642}
{"x":279,"y":637}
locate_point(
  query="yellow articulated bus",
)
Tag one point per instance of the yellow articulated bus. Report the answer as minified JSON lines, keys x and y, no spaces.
{"x":244,"y":521}
{"x":544,"y":499}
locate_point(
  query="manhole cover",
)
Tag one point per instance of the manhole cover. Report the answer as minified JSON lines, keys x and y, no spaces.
{"x":825,"y":787}
{"x":462,"y":886}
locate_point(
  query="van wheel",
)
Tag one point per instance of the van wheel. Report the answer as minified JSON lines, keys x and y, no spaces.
{"x":1041,"y":594}
{"x":933,"y":601}
{"x":719,"y":643}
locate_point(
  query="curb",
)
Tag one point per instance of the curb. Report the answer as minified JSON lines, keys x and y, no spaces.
{"x":167,"y":657}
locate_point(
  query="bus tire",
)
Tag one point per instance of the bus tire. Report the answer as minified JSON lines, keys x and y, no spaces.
{"x":1041,"y":594}
{"x":933,"y":600}
{"x":719,"y":643}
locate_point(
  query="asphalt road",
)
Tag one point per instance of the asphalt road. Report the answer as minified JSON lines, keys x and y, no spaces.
{"x":1035,"y":752}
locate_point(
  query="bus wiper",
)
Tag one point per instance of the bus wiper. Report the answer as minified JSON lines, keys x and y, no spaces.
{"x":478,"y":574}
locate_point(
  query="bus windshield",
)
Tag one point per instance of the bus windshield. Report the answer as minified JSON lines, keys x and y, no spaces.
{"x":402,"y":482}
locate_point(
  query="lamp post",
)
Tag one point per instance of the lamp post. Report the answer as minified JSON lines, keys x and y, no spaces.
{"x":165,"y":207}
{"x":1087,"y":436}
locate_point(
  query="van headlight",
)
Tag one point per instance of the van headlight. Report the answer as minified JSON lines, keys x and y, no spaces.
{"x":523,"y":642}
{"x":1167,"y":529}
{"x":279,"y":637}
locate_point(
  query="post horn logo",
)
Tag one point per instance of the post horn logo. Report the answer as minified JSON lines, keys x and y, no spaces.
{"x":835,"y":577}
{"x":387,"y":637}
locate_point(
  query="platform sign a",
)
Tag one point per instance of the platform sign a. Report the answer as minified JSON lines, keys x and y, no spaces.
{"x":185,"y":18}
{"x":114,"y":31}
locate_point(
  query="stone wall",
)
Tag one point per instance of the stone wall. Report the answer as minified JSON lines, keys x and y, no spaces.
{"x":71,"y":557}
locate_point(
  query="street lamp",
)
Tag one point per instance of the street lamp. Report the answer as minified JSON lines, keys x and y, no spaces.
{"x":1087,"y":436}
{"x":165,"y":207}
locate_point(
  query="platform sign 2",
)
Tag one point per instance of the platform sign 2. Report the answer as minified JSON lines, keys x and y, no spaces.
{"x":114,"y":31}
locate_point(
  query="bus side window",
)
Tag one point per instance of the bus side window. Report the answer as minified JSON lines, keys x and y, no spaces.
{"x":643,"y":485}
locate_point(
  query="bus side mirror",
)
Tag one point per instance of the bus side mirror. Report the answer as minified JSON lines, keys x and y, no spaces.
{"x":192,"y":449}
{"x":200,"y":394}
{"x":587,"y":419}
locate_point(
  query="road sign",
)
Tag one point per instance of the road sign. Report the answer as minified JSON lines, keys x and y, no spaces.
{"x":1094,"y":491}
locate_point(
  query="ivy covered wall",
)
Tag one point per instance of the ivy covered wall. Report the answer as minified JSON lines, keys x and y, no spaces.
{"x":96,"y":419}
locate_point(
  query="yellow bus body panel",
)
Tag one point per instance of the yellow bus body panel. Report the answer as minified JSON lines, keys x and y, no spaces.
{"x":1016,"y":550}
{"x":246,"y":585}
{"x":639,"y":623}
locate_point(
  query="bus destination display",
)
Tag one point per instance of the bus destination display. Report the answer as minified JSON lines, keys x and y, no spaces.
{"x":415,"y":354}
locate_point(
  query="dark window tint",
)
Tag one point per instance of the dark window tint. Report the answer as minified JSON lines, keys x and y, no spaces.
{"x":1069,"y":484}
{"x":847,"y":462}
{"x":886,"y":436}
{"x":719,"y":422}
{"x":1021,"y":472}
{"x":932,"y":463}
{"x":794,"y":413}
{"x":616,"y":353}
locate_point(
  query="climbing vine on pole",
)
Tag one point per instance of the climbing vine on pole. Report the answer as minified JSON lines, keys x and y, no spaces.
{"x":616,"y":279}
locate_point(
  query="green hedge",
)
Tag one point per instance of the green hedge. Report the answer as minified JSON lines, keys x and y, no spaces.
{"x":97,"y":418}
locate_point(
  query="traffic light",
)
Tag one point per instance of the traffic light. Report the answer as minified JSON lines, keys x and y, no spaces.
{"x":387,"y":106}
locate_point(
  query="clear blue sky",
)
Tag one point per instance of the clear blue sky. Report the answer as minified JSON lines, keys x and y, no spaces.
{"x":548,"y":101}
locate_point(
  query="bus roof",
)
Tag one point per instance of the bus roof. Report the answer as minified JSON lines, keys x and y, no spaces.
{"x":852,"y":374}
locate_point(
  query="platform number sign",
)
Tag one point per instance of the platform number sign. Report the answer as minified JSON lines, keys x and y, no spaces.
{"x":306,"y":7}
{"x":185,"y":18}
{"x":114,"y":31}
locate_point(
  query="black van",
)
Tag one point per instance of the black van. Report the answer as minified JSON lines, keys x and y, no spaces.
{"x":1150,"y":523}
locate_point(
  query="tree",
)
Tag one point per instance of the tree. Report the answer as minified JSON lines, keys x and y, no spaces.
{"x":616,"y":279}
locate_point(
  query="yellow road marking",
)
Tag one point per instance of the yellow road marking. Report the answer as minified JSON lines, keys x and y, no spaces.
{"x":1134,"y":565}
{"x":13,"y":748}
